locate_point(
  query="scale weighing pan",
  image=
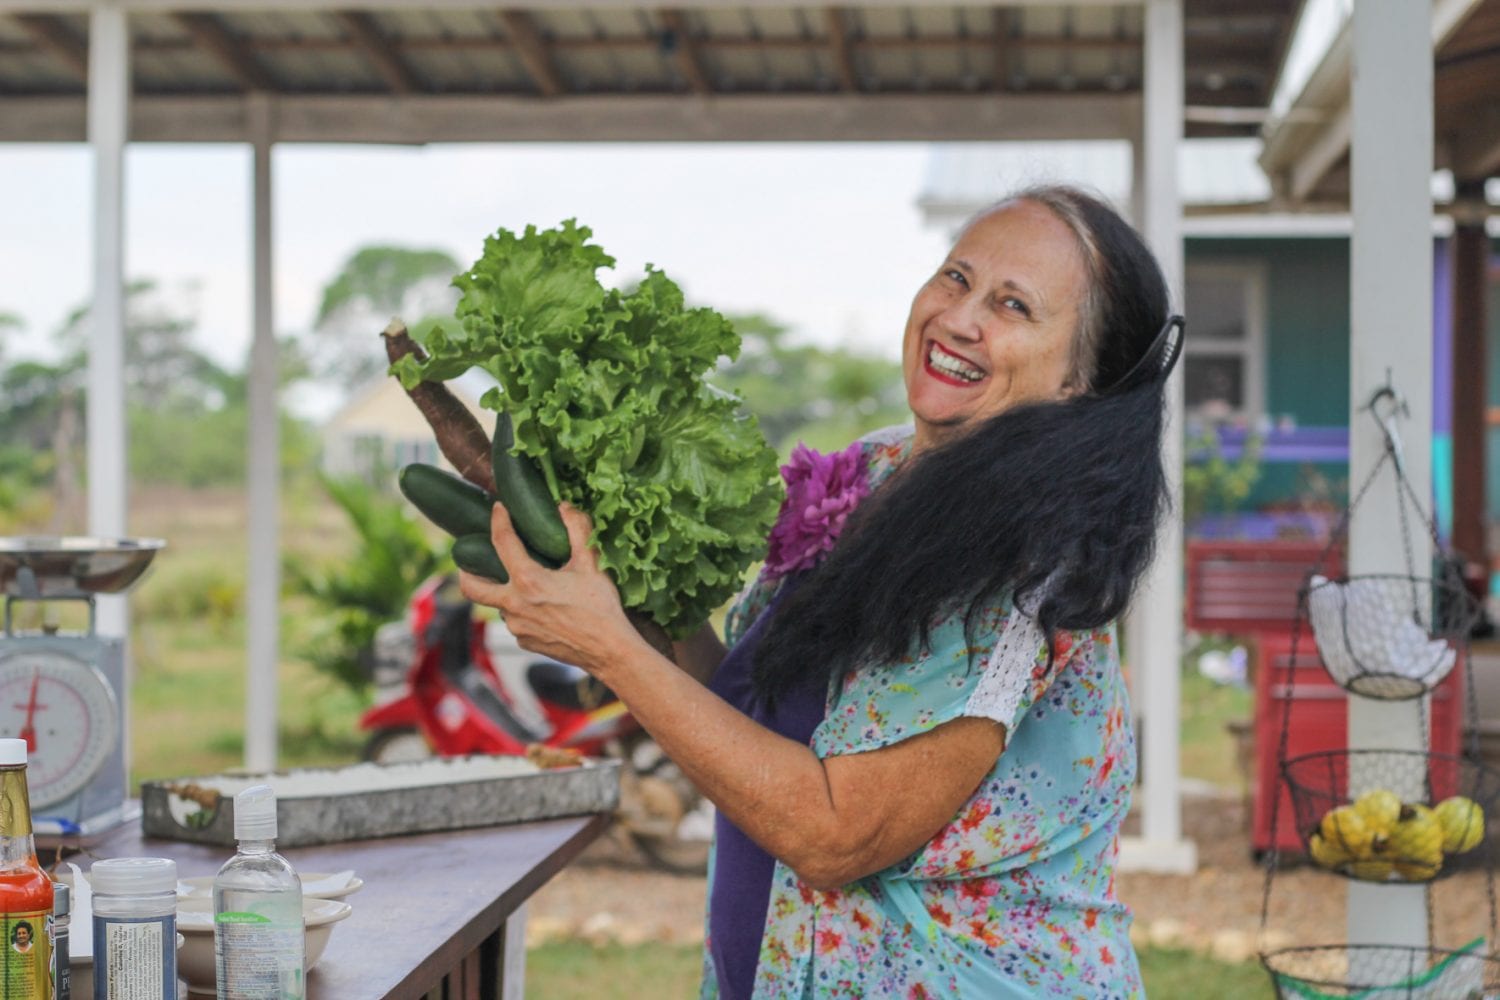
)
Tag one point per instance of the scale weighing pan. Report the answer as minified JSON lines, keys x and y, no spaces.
{"x":55,"y":567}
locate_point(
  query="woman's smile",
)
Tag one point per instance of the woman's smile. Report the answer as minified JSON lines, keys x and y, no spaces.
{"x":952,"y":369}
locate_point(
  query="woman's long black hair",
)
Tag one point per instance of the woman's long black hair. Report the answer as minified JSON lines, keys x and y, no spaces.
{"x":1068,"y":492}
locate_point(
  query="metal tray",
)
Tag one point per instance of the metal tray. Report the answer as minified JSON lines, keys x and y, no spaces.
{"x":360,"y":813}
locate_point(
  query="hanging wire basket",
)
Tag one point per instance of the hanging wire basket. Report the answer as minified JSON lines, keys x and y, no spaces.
{"x":1384,"y":972}
{"x":1390,"y":637}
{"x":1393,"y":815}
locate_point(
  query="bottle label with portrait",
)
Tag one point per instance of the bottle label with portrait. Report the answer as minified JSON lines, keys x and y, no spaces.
{"x":27,"y":971}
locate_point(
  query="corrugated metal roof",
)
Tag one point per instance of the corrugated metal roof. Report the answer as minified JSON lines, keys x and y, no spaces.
{"x":1233,"y":50}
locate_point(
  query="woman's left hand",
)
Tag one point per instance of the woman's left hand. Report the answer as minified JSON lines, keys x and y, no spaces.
{"x":572,"y":613}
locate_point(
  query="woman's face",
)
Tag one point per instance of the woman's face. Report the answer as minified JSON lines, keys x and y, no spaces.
{"x":995,"y":325}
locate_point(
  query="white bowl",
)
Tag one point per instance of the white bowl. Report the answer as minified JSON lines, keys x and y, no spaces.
{"x":195,"y":920}
{"x":202,"y":887}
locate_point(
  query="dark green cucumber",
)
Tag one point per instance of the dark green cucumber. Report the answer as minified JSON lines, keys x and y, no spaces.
{"x":453,"y":504}
{"x":474,"y":554}
{"x":523,"y":490}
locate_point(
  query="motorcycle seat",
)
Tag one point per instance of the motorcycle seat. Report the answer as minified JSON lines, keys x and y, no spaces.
{"x":567,"y":686}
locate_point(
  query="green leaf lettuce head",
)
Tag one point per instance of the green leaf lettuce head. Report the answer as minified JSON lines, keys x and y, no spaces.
{"x":606,"y":391}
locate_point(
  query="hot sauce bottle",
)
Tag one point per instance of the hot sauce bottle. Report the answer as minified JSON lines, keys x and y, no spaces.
{"x":25,"y":889}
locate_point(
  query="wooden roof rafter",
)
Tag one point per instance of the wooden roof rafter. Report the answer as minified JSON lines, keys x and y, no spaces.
{"x":209,"y":32}
{"x":840,"y":49}
{"x":53,"y":36}
{"x":531,"y":48}
{"x":678,"y":42}
{"x":1004,"y":42}
{"x":367,"y":37}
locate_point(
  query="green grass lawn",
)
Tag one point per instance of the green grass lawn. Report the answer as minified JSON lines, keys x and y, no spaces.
{"x":575,"y":970}
{"x":1208,"y":751}
{"x":188,"y":643}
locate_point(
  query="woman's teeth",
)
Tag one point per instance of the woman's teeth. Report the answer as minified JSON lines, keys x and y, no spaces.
{"x":949,"y":365}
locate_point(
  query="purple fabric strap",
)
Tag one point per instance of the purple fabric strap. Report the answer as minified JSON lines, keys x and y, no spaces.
{"x":742,"y":870}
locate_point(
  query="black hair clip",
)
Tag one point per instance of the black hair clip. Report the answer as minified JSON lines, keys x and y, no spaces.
{"x":1158,"y":361}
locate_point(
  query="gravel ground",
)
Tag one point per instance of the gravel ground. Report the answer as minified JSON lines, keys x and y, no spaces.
{"x":612,"y":894}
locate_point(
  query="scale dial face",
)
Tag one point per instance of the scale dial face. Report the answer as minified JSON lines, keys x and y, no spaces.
{"x":63,"y":707}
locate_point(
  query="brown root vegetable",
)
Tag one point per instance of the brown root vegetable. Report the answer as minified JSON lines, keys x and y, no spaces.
{"x":460,"y":437}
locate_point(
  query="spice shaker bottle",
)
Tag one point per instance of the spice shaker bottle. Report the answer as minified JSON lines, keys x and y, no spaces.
{"x":135,"y":928}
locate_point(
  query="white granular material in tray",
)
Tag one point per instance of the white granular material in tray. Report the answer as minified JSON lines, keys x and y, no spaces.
{"x":359,"y":778}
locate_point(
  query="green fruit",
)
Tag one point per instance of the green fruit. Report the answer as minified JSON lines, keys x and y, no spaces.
{"x":453,"y":504}
{"x":1380,"y":809}
{"x":1463,"y":824}
{"x":1346,"y":829}
{"x":523,"y":490}
{"x":475,"y":554}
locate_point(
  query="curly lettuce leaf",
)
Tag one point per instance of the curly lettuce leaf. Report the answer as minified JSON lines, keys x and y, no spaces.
{"x":605,"y":389}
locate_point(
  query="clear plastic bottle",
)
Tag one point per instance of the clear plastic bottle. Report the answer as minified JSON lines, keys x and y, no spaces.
{"x":258,"y":936}
{"x":135,"y":928}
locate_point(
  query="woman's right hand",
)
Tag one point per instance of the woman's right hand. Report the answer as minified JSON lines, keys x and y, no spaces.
{"x":572,"y":613}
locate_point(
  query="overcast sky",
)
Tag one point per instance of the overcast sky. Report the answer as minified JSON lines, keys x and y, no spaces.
{"x":826,"y":238}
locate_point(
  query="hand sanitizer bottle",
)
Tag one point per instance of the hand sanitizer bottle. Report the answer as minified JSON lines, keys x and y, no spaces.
{"x":258,"y":936}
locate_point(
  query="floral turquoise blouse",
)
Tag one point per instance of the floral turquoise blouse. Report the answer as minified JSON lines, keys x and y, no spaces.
{"x":1014,"y":898}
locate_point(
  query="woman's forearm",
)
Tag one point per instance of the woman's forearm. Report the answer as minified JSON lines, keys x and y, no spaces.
{"x":771,"y":787}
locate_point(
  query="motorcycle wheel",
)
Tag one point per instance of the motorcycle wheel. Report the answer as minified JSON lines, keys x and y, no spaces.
{"x":405,"y":745}
{"x":668,"y":819}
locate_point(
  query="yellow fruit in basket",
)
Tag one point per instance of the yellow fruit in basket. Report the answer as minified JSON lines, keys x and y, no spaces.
{"x":1370,"y":871}
{"x":1380,"y":809}
{"x":1326,"y":854}
{"x":1416,"y":844}
{"x":1347,"y":830}
{"x":1463,"y":824}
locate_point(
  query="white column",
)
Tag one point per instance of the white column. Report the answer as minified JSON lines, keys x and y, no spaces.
{"x":1155,"y":626}
{"x":263,"y":476}
{"x":108,"y":483}
{"x":1391,"y":154}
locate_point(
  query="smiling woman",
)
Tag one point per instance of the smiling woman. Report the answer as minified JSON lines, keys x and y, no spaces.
{"x":997,"y":324}
{"x":918,"y":741}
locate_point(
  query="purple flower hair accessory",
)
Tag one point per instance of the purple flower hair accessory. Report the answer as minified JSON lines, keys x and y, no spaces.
{"x":821,"y":492}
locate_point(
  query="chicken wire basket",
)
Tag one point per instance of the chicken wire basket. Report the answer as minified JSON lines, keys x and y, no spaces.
{"x":1386,"y":972}
{"x":1390,"y":637}
{"x":1393,"y":816}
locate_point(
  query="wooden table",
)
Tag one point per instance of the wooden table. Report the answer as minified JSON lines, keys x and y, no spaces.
{"x":434,"y":918}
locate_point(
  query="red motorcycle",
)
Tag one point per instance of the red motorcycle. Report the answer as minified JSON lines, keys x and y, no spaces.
{"x":452,"y":684}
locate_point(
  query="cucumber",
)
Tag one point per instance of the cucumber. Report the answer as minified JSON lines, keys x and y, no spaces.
{"x":523,"y":490}
{"x":474,"y":554}
{"x":453,"y":504}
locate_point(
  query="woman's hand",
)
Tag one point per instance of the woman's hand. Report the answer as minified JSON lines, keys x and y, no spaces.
{"x":572,"y":613}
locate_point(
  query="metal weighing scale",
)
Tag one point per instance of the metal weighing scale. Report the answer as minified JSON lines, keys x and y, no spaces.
{"x":64,"y":692}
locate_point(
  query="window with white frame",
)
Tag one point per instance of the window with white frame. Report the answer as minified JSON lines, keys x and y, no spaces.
{"x":1224,"y":350}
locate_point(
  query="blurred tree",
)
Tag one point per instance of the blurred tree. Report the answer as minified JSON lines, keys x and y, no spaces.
{"x":358,"y":593}
{"x":376,"y":283}
{"x":187,"y":416}
{"x":826,"y":396}
{"x":162,"y":367}
{"x":10,"y":324}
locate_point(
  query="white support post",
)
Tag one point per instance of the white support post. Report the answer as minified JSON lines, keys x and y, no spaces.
{"x":108,"y":482}
{"x":1155,"y":627}
{"x":263,"y":476}
{"x":1391,"y":336}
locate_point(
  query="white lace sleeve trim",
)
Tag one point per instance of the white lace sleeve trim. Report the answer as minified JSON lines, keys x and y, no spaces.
{"x":1007,"y":673}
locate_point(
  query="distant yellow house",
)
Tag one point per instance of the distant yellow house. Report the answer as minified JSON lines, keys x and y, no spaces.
{"x":380,"y":429}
